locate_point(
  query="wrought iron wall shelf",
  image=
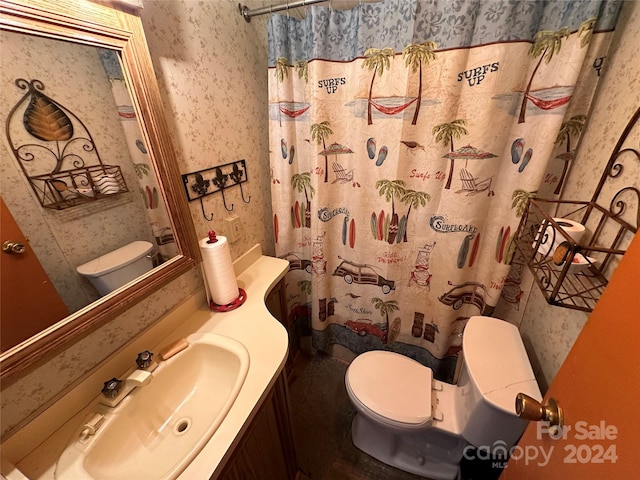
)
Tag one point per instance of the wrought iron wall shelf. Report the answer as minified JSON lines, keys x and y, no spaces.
{"x":70,"y":188}
{"x":574,"y":274}
{"x":202,"y":183}
{"x":42,"y":133}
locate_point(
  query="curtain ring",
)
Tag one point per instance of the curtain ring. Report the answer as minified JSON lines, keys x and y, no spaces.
{"x":288,"y":14}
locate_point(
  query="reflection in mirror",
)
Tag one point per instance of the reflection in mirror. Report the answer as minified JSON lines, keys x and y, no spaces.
{"x":77,"y":86}
{"x":86,"y":58}
{"x":52,"y":84}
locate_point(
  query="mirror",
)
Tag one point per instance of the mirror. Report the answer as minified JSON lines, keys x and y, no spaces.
{"x":58,"y":46}
{"x":76,"y":179}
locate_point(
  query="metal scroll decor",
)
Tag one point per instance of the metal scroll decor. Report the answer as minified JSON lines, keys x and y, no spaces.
{"x":215,"y":179}
{"x":574,"y":274}
{"x":57,"y":153}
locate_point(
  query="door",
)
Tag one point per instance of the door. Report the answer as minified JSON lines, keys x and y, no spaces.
{"x":598,"y":386}
{"x":30,"y":302}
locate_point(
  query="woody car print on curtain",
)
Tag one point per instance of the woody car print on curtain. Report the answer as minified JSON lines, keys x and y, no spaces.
{"x":420,"y":130}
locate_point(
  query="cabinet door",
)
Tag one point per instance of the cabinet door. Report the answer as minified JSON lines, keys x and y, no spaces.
{"x":266,"y":451}
{"x":277,"y":305}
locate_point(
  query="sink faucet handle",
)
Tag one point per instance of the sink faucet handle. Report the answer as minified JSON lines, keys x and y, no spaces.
{"x":112,"y":388}
{"x":144,"y":360}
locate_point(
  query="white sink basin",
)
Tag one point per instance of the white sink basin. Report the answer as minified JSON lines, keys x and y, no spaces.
{"x":159,"y":428}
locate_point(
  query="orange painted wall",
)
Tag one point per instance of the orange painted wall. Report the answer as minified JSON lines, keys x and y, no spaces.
{"x":599,"y":384}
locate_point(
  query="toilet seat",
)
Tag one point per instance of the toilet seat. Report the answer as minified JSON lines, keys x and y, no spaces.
{"x":392,"y":386}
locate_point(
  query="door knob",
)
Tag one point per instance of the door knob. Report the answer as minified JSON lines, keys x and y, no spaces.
{"x":13,"y":247}
{"x":530,"y":409}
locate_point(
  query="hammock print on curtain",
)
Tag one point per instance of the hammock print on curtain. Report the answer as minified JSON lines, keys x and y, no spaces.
{"x":398,"y":188}
{"x":548,"y":104}
{"x":391,"y":110}
{"x":293,"y":113}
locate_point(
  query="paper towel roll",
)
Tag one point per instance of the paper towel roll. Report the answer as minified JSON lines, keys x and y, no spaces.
{"x":220,"y":277}
{"x":552,"y":238}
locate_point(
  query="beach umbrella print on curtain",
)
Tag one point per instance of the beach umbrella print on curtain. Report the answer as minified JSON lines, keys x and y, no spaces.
{"x":470,"y":184}
{"x":468,"y":153}
{"x":342,"y":175}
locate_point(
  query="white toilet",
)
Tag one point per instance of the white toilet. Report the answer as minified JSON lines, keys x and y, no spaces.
{"x":408,"y":420}
{"x":114,"y":269}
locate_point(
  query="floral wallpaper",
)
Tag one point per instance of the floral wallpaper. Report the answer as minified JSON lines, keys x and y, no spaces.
{"x":198,"y":74}
{"x":212,"y":66}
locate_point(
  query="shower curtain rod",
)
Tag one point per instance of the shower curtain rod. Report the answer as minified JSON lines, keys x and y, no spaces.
{"x":247,"y":14}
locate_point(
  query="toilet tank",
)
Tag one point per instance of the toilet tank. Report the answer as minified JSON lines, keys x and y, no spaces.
{"x":495,"y":369}
{"x":117,"y":268}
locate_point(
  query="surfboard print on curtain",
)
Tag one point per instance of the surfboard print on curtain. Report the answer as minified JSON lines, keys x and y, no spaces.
{"x":415,"y":153}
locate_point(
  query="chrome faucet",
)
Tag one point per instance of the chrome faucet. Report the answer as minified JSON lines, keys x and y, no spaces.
{"x":115,"y":390}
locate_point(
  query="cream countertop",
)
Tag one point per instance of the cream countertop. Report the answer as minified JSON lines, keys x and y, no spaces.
{"x":35,"y":448}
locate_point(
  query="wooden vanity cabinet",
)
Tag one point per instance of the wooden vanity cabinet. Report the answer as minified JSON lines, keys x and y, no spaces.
{"x":266,"y":451}
{"x":277,"y":304}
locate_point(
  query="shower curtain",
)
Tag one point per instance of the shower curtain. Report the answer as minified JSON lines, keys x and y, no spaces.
{"x":147,"y":183}
{"x":406,"y":137}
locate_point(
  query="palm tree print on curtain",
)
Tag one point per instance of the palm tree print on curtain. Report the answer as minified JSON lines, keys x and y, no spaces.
{"x":545,"y":45}
{"x":429,"y":244}
{"x":385,"y":308}
{"x":376,"y":61}
{"x":392,"y":228}
{"x":416,"y":56}
{"x":445,"y":133}
{"x":572,"y":127}
{"x":320,"y":131}
{"x":301,"y":182}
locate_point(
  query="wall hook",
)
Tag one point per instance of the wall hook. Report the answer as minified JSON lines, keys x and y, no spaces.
{"x":204,"y":214}
{"x":236,"y":176}
{"x":220,"y":181}
{"x":242,"y":194}
{"x":224,"y":201}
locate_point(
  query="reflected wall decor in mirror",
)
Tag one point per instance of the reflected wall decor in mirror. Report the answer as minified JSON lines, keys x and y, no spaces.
{"x":111,"y":181}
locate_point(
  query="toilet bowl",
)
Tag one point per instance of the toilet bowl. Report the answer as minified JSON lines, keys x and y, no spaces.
{"x":407,"y":419}
{"x":117,"y":268}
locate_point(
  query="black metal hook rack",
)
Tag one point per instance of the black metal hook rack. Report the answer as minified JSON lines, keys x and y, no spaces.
{"x":208,"y":181}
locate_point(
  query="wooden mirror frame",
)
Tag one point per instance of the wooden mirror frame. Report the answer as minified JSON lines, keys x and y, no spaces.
{"x":92,"y":24}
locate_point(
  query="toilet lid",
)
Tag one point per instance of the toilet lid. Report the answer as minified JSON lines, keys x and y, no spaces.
{"x":392,"y":385}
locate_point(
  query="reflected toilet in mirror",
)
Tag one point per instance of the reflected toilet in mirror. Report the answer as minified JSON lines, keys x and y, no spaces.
{"x":119,"y":267}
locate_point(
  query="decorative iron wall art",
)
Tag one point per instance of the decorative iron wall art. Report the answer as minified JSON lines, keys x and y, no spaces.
{"x":58,"y":155}
{"x":215,"y":179}
{"x":574,"y":274}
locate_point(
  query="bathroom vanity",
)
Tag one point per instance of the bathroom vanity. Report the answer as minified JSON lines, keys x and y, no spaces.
{"x":266,"y":450}
{"x":254,"y":438}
